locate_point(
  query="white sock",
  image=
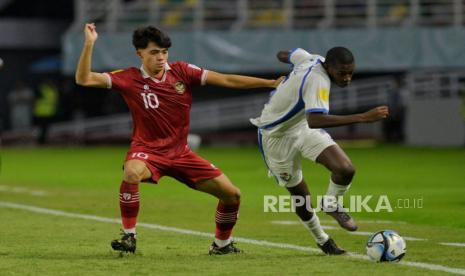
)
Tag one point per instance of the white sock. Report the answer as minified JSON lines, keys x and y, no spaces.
{"x":331,"y":199}
{"x":313,"y":225}
{"x":222,"y":243}
{"x":336,"y":189}
{"x":130,"y":231}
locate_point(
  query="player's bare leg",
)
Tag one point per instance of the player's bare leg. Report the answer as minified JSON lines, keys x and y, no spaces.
{"x":226,"y":212}
{"x":342,"y":172}
{"x":311,"y":221}
{"x":134,"y":172}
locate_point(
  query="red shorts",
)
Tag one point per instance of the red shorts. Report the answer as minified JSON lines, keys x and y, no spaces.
{"x":188,"y":168}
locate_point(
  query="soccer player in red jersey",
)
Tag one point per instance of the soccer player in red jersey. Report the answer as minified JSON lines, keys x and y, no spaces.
{"x":159,"y":97}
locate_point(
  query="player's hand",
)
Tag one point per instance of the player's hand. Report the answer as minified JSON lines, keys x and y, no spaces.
{"x":277,"y":81}
{"x":90,"y":33}
{"x":376,"y":114}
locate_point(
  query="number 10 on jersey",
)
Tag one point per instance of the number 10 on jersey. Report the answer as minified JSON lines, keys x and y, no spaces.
{"x":150,"y":100}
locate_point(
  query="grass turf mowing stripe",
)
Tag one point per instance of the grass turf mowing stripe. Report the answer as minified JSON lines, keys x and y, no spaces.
{"x":453,"y":244}
{"x":40,"y":210}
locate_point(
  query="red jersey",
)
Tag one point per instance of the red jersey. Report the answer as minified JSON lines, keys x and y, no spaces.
{"x":160,"y":108}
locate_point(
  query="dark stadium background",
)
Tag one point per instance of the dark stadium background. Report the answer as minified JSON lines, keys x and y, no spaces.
{"x":32,"y":62}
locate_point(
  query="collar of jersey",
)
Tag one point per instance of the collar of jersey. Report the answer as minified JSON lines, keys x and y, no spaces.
{"x":145,"y":75}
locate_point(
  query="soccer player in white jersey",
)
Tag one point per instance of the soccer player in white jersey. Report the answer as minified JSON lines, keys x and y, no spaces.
{"x":290,"y":126}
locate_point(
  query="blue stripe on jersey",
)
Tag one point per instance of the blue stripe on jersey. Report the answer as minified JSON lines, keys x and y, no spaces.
{"x":271,"y":95}
{"x":260,"y":146}
{"x":272,"y":92}
{"x":298,"y":107}
{"x":317,"y":110}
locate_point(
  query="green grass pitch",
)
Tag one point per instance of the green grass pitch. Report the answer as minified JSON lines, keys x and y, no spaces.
{"x":85,"y":181}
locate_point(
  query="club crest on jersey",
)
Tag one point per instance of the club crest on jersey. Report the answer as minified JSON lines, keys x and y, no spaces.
{"x":146,"y":87}
{"x":285,"y":176}
{"x":180,"y":87}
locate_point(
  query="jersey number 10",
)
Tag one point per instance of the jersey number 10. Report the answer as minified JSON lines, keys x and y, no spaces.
{"x":150,"y":100}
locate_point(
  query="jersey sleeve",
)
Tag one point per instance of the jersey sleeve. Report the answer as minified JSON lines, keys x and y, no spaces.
{"x":316,"y":96}
{"x":298,"y":56}
{"x":193,"y":74}
{"x":117,"y":80}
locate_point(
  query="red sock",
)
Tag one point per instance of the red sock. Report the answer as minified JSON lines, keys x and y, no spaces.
{"x":129,"y":204}
{"x":225,"y":218}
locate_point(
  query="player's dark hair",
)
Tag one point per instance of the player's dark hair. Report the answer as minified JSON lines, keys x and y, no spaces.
{"x":144,"y":35}
{"x":339,"y":55}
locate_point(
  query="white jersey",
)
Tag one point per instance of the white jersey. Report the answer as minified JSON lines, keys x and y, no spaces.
{"x":305,"y":90}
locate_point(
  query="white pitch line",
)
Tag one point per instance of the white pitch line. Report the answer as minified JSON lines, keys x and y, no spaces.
{"x":369,"y":221}
{"x":327,"y":227}
{"x":294,"y":222}
{"x":458,"y":244}
{"x":361,"y":233}
{"x":22,"y":190}
{"x":358,"y":233}
{"x":286,"y":222}
{"x":460,"y":271}
{"x":378,"y":221}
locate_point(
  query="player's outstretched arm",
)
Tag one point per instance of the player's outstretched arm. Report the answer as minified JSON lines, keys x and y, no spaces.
{"x":240,"y":82}
{"x":317,"y":120}
{"x":283,"y":56}
{"x":84,"y":76}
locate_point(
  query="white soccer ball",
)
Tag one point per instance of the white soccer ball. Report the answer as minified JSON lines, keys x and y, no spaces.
{"x":386,"y":246}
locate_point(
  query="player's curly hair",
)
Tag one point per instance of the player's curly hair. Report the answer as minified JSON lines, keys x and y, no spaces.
{"x":144,"y":35}
{"x":339,"y":55}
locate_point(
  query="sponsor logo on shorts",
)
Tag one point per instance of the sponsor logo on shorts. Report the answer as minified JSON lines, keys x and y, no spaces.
{"x":139,"y":155}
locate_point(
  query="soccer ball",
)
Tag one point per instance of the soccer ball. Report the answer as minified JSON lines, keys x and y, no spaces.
{"x":386,"y":246}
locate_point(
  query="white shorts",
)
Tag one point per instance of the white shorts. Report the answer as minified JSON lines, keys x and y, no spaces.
{"x":282,"y":155}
